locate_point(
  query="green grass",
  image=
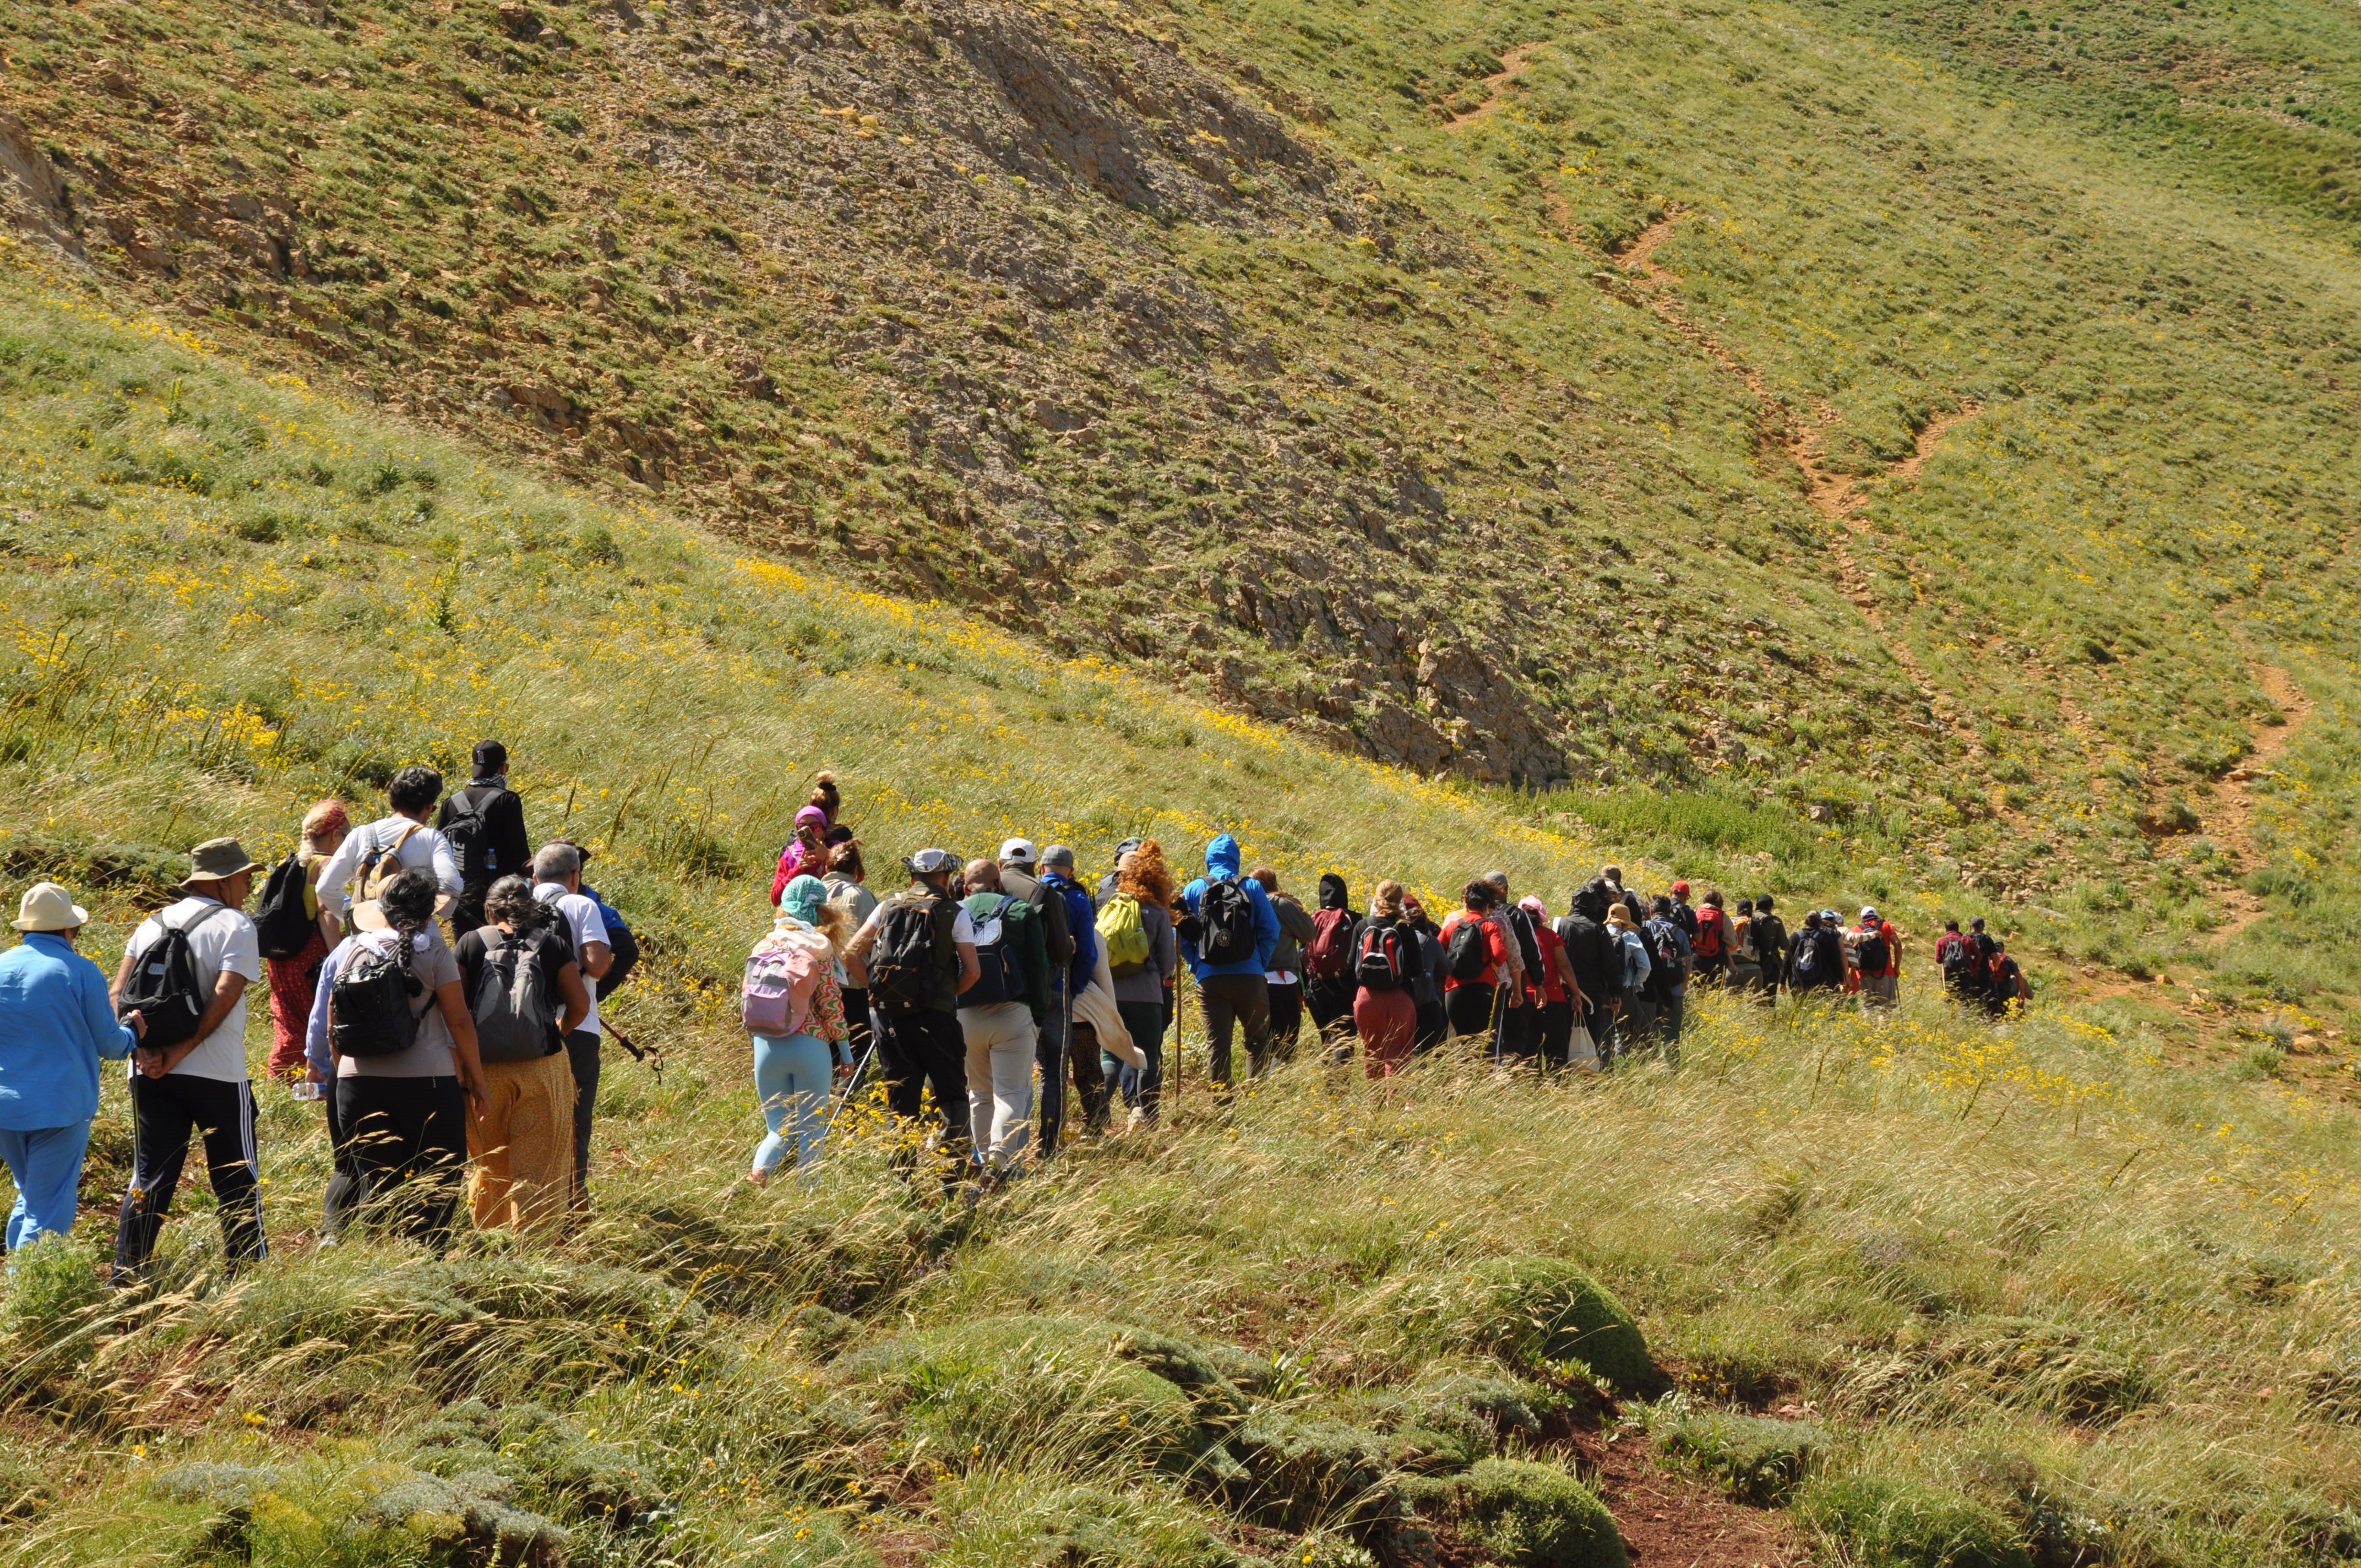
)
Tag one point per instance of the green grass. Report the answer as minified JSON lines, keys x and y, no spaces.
{"x":1348,"y":383}
{"x":2041,"y":1293}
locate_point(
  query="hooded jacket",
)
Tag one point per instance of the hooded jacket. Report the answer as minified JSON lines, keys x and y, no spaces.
{"x":1295,"y":929}
{"x":1221,"y":862}
{"x":1594,"y":950}
{"x":1334,"y":902}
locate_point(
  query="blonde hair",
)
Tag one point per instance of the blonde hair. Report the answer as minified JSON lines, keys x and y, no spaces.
{"x":1144,"y":874}
{"x":834,"y":922}
{"x":325,"y":818}
{"x":1386,"y":900}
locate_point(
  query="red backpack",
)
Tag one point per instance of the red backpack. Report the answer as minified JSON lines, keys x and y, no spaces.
{"x":1711,"y":940}
{"x":1329,"y":953}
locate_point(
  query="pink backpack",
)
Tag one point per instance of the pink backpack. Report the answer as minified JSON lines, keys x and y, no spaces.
{"x":783,"y":974}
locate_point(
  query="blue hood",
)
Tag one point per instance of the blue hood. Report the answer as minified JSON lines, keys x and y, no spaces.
{"x":1222,"y":856}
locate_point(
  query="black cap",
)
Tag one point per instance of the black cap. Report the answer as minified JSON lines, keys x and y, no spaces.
{"x":491,"y":757}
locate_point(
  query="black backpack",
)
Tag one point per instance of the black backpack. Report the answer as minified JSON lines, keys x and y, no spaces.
{"x":1378,"y":964}
{"x":165,"y":987}
{"x":1529,"y":946}
{"x":1227,"y":913}
{"x":1666,"y":969}
{"x":1870,"y":953}
{"x":369,"y":1003}
{"x":1770,"y":938}
{"x":282,"y":926}
{"x":1469,"y":955}
{"x":913,"y":962}
{"x":1806,"y":958}
{"x":468,"y":829}
{"x":1003,"y":977}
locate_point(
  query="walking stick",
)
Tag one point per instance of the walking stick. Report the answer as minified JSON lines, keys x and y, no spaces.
{"x":1179,"y":1041}
{"x":851,"y":1084}
{"x":654,"y":1059}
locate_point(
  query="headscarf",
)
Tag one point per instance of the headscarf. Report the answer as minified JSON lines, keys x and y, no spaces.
{"x":801,"y":900}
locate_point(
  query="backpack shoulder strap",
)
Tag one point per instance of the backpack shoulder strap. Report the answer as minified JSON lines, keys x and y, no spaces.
{"x":188,"y":925}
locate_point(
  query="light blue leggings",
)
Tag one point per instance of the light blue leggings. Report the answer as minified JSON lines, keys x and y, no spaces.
{"x":792,"y":1077}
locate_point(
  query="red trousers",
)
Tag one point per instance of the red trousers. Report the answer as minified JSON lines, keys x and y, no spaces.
{"x":1386,"y":1022}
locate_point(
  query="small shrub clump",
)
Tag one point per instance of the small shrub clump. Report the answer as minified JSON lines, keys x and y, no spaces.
{"x":1527,"y":1515}
{"x":1540,"y":1310}
{"x":1757,"y":1459}
{"x":1883,"y":1523}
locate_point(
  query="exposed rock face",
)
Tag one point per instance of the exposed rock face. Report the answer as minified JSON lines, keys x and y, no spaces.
{"x":1499,"y":730}
{"x":953,"y":297}
{"x":32,"y":198}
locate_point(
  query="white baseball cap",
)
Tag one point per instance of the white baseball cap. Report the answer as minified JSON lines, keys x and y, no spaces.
{"x":1868,"y":912}
{"x":1019,"y":851}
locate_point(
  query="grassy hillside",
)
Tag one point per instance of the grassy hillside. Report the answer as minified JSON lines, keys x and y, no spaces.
{"x":1297,"y":358}
{"x":1919,"y":1294}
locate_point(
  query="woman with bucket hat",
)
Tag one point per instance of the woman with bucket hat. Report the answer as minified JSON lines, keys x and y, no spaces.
{"x":55,"y":1023}
{"x":196,"y":957}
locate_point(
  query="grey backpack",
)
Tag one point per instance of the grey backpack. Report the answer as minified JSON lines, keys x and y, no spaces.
{"x":514,"y":1018}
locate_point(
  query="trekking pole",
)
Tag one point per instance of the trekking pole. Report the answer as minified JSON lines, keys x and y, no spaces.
{"x":851,"y":1085}
{"x":1179,"y":1039}
{"x":654,"y":1059}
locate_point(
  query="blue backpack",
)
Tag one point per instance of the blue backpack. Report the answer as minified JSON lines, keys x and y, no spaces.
{"x":619,"y":940}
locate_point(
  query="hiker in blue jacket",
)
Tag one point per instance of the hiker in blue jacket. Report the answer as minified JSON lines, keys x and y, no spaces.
{"x":1228,"y":939}
{"x":56,"y":1022}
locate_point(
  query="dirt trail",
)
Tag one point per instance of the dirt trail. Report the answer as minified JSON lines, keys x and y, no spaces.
{"x":2231,"y":822}
{"x":1513,"y":65}
{"x":1831,"y":495}
{"x":1671,"y":1520}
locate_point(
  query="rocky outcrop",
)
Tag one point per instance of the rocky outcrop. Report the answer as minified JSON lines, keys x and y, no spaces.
{"x":33,"y":199}
{"x":1498,"y":733}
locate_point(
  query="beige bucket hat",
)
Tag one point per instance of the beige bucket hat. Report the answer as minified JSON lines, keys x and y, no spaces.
{"x":47,"y":906}
{"x":218,"y":860}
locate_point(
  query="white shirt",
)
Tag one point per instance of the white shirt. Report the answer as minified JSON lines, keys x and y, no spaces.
{"x":227,"y":941}
{"x":583,"y":923}
{"x":424,"y":850}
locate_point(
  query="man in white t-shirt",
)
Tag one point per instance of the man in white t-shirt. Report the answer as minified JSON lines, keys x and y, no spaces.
{"x":199,"y":1084}
{"x":557,"y":881}
{"x":403,"y":838}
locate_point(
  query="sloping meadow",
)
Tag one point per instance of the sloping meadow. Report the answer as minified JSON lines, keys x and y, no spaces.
{"x":227,"y":600}
{"x":1947,"y":1295}
{"x":1950,"y":1294}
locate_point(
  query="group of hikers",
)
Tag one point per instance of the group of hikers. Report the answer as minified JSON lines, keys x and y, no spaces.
{"x":439,"y":1061}
{"x":989,"y":986}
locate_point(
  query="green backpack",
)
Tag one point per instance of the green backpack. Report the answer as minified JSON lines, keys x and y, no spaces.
{"x":1125,"y":936}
